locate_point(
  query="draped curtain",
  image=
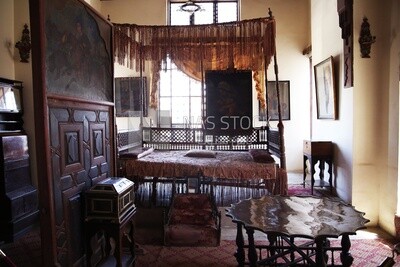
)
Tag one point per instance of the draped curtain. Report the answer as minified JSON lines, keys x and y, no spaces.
{"x":242,"y":45}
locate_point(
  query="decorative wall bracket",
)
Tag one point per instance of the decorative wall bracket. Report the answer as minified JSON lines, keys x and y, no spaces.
{"x":24,"y":46}
{"x":366,"y":39}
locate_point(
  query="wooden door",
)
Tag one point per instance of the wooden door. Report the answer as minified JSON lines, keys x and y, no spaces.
{"x":72,"y":61}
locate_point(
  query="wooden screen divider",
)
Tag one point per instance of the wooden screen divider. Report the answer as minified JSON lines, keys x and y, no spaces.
{"x":196,"y":138}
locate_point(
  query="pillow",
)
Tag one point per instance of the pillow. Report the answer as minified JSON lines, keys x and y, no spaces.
{"x":136,"y":153}
{"x":261,"y":156}
{"x":199,"y":153}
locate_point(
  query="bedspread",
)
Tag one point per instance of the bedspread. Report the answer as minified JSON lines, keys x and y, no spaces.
{"x":226,"y":165}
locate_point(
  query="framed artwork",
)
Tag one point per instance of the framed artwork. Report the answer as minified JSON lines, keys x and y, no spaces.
{"x":79,"y":52}
{"x":131,"y":96}
{"x":272,"y":101}
{"x":325,"y":89}
{"x":10,"y":98}
{"x":228,"y":102}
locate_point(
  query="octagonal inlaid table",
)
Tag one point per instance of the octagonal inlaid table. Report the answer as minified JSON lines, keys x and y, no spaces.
{"x":298,"y":229}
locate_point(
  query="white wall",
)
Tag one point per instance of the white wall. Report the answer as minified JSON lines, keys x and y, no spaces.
{"x":389,"y":188}
{"x":366,"y":132}
{"x":326,"y":42}
{"x":96,"y":4}
{"x":293,"y":35}
{"x":7,"y":39}
{"x":149,"y":12}
{"x":23,"y":72}
{"x":376,"y":114}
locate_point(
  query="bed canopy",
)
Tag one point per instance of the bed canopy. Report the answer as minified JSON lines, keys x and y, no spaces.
{"x":195,"y":49}
{"x":241,"y":45}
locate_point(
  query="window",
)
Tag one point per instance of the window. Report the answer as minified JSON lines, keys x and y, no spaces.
{"x":180,"y":95}
{"x":180,"y":98}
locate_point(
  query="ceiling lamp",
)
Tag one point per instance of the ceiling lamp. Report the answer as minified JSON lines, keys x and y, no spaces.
{"x":191,"y":7}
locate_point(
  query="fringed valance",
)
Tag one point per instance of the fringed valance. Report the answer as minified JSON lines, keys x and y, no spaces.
{"x":247,"y":44}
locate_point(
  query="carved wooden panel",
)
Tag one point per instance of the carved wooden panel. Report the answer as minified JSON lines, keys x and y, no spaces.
{"x":81,"y":155}
{"x":71,"y":147}
{"x":73,"y":90}
{"x":345,"y":11}
{"x":97,"y":134}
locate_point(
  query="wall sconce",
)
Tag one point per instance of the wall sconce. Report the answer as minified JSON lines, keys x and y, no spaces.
{"x":24,"y":46}
{"x":365,"y":39}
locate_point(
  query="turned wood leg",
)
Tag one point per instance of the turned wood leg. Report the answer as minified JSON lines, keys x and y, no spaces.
{"x":113,"y":231}
{"x":239,"y":254}
{"x":305,"y":158}
{"x":345,"y":256}
{"x":330,"y":173}
{"x":321,"y":169}
{"x":320,"y":258}
{"x":131,"y":237}
{"x":292,"y":257}
{"x":107,"y":246}
{"x":272,"y":241}
{"x":154,"y":193}
{"x":252,"y":253}
{"x":312,"y":172}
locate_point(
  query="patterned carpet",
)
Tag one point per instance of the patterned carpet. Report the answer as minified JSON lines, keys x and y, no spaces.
{"x":300,"y":190}
{"x":366,"y":253}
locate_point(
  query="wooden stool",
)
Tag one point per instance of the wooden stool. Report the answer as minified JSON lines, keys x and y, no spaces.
{"x":121,"y":232}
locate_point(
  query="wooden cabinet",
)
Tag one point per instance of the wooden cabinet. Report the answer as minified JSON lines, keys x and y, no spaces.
{"x":314,"y":152}
{"x":110,"y":211}
{"x":18,"y":196}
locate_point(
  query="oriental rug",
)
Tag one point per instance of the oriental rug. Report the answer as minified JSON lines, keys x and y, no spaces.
{"x":366,"y":253}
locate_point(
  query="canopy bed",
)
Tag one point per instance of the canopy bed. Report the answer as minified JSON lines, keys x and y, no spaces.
{"x":246,"y":46}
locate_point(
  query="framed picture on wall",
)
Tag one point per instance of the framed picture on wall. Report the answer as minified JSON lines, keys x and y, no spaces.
{"x":228,"y":102}
{"x":79,"y":52}
{"x":284,"y":97}
{"x":131,"y":96}
{"x":272,"y":101}
{"x":325,"y":89}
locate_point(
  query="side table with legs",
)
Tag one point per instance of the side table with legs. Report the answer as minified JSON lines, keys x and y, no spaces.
{"x":314,"y":152}
{"x":116,"y":234}
{"x":298,"y":229}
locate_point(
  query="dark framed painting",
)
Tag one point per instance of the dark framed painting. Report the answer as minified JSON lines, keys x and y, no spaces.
{"x":272,"y":101}
{"x":325,"y":89}
{"x":79,"y":52}
{"x":229,"y":109}
{"x":131,"y":97}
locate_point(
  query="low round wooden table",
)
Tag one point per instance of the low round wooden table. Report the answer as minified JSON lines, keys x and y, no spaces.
{"x":288,"y":219}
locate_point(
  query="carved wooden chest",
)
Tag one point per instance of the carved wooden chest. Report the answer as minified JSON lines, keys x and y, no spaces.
{"x":111,"y":199}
